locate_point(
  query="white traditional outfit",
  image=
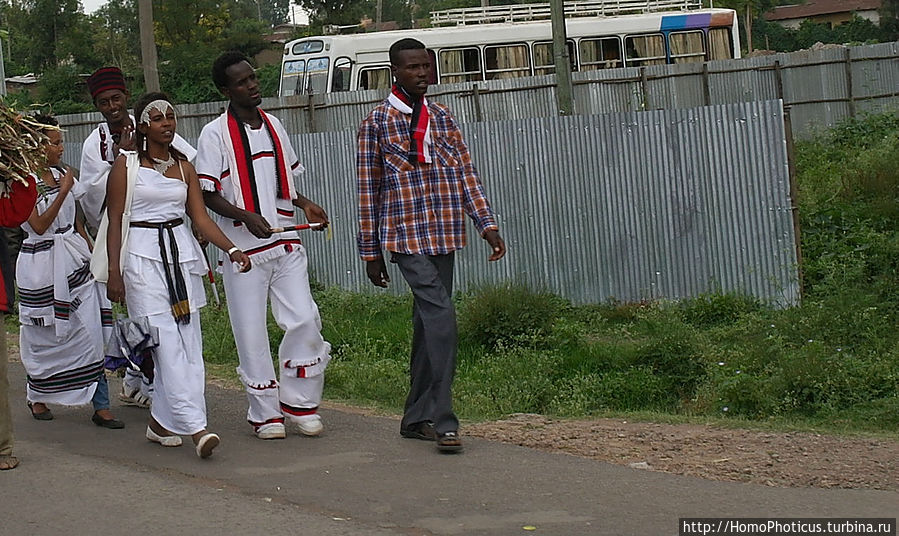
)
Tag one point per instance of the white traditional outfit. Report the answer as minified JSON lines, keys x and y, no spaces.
{"x":65,"y":318}
{"x":161,"y":253}
{"x":97,"y":157}
{"x":254,"y":169}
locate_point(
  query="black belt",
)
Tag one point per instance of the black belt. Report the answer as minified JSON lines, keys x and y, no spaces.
{"x":157,"y":225}
{"x":174,"y":278}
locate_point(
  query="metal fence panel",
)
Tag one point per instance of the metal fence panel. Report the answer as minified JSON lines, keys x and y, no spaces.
{"x":627,"y":206}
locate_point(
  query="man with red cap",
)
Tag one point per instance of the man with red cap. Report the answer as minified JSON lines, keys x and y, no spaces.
{"x":99,"y":151}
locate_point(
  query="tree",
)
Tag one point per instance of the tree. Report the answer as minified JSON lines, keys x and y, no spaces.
{"x":749,"y":10}
{"x":273,"y":12}
{"x":191,"y":34}
{"x":340,"y":12}
{"x":44,"y":33}
{"x":889,"y":20}
{"x":116,"y":37}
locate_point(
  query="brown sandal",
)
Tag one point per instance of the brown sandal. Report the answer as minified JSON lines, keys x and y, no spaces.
{"x":8,"y":462}
{"x":449,"y":442}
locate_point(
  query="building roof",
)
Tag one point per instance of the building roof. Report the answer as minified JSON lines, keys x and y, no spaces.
{"x":813,"y":8}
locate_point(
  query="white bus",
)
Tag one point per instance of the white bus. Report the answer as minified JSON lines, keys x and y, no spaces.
{"x":601,"y":35}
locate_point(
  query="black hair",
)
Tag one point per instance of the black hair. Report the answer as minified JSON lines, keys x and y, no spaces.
{"x":139,"y":107}
{"x":45,"y":119}
{"x":403,"y":44}
{"x":221,"y":63}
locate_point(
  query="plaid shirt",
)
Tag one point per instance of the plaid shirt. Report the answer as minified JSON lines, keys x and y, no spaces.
{"x":415,"y":208}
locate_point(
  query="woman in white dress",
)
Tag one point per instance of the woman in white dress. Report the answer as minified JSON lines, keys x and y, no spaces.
{"x":160,"y":275}
{"x":64,"y":318}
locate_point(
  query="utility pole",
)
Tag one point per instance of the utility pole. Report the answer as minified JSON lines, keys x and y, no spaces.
{"x":148,"y":44}
{"x":2,"y":66}
{"x":378,"y":14}
{"x":562,"y":59}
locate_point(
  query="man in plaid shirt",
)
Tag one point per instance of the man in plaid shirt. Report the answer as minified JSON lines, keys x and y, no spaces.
{"x":415,"y":183}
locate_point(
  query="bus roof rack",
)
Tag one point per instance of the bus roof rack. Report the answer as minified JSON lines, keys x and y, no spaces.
{"x":527,"y":12}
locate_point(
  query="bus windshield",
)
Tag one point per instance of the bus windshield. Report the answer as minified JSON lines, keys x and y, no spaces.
{"x":302,"y":76}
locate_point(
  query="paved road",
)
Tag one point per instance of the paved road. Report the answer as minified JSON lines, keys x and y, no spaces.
{"x":359,"y":478}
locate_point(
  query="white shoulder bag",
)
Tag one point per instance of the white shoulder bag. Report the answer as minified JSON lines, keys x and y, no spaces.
{"x":99,"y":259}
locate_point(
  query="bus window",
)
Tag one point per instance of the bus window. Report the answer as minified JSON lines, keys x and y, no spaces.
{"x":308,"y":47}
{"x":645,"y":49}
{"x":292,"y":77}
{"x":317,"y":75}
{"x":342,"y":69}
{"x":687,"y":47}
{"x":506,"y":61}
{"x":460,"y":65}
{"x":375,"y":78}
{"x":601,"y":53}
{"x":721,"y":45}
{"x":545,"y":62}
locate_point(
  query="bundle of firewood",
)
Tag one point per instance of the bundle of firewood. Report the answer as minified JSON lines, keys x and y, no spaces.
{"x":21,"y":145}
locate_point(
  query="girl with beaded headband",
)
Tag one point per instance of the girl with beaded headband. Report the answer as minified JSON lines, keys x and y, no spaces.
{"x":160,"y":278}
{"x":62,"y":332}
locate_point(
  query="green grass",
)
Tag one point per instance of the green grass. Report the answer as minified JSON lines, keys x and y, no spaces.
{"x":830,"y":364}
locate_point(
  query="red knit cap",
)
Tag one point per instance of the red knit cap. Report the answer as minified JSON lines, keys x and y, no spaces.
{"x":105,"y":79}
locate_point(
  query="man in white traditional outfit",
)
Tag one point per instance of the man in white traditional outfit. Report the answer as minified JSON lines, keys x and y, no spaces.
{"x":99,"y":151}
{"x":246,"y":167}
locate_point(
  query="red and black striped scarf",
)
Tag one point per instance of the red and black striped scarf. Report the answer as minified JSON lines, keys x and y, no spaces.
{"x":246,"y":174}
{"x":419,"y":124}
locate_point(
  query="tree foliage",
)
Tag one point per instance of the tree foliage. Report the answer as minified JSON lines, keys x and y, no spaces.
{"x":857,"y":31}
{"x":57,"y":40}
{"x":889,"y":19}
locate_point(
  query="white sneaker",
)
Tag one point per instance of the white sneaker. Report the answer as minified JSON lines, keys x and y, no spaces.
{"x":309,"y":425}
{"x":206,"y":444}
{"x":272,"y":430}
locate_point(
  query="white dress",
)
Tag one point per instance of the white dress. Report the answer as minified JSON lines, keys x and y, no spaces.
{"x":179,"y":403}
{"x":64,"y":317}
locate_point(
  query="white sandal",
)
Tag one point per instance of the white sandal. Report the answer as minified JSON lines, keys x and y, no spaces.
{"x":165,"y":441}
{"x":206,"y":444}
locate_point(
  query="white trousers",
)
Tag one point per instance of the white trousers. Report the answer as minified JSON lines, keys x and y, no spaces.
{"x":303,"y":354}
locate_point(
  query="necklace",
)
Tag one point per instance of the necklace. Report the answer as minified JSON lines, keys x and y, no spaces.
{"x":163,"y":165}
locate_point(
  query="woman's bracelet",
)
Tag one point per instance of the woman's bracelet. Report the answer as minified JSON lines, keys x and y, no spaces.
{"x":232,"y":250}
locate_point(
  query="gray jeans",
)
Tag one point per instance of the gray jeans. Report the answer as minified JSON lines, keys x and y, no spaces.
{"x":434,"y":340}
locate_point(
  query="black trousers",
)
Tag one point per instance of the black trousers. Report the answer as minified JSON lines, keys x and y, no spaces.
{"x":434,"y":340}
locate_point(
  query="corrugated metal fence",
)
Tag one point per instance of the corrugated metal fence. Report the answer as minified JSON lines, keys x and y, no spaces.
{"x":627,"y":206}
{"x":821,"y":87}
{"x":630,"y":206}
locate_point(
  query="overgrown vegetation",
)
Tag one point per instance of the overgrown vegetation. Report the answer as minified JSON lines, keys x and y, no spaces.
{"x":857,"y":31}
{"x":832,"y":362}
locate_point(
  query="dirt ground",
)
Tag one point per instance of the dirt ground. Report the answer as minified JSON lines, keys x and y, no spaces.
{"x":783,"y":459}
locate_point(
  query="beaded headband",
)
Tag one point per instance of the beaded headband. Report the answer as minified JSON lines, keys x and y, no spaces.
{"x":161,"y":105}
